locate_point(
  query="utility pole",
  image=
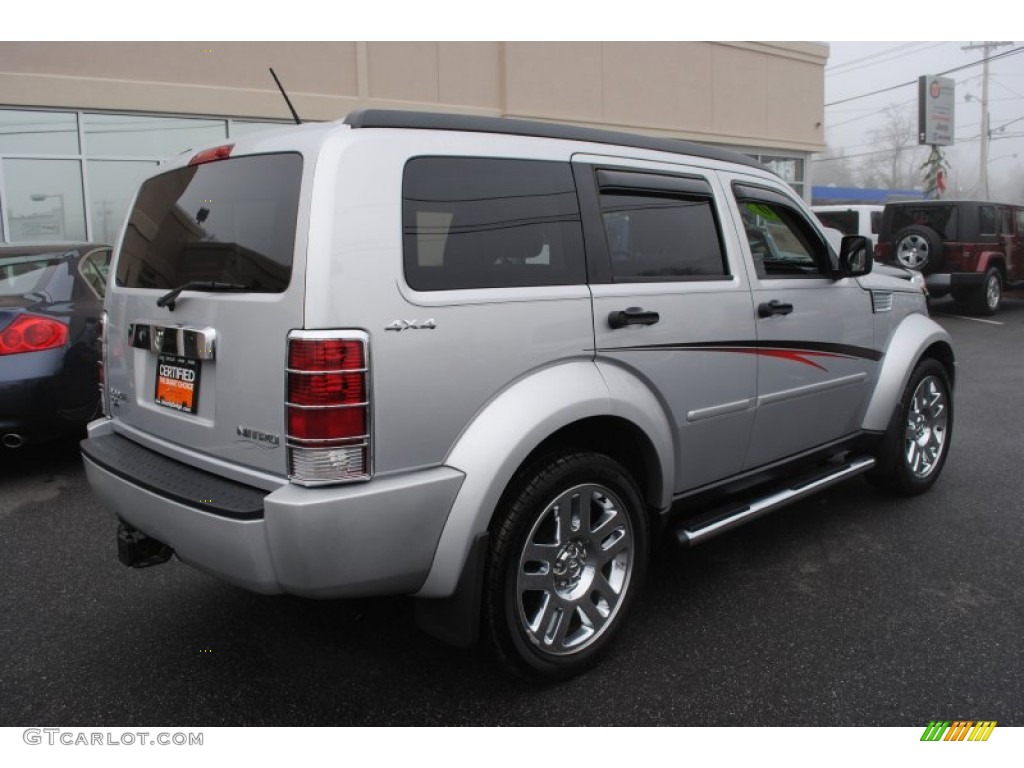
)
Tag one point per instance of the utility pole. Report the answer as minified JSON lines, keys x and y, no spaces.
{"x":986,"y":49}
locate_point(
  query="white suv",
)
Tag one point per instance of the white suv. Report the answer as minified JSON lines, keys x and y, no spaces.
{"x":486,"y":363}
{"x":863,"y":220}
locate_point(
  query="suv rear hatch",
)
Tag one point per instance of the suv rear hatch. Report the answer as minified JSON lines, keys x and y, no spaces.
{"x":202,"y":367}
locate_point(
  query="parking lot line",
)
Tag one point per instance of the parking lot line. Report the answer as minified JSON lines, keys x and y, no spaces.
{"x":973,"y":319}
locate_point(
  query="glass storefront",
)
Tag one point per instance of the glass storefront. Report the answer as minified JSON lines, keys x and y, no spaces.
{"x":790,"y":169}
{"x":71,"y":175}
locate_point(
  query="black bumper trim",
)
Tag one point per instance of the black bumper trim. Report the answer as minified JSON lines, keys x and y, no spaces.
{"x":173,"y":480}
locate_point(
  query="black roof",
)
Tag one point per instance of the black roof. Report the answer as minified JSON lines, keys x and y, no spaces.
{"x":394,"y":118}
{"x":945,"y":201}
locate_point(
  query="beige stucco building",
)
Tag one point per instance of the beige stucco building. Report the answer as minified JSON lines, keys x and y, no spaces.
{"x":82,"y":122}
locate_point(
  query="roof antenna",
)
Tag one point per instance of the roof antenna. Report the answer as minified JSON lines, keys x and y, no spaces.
{"x":286,"y":99}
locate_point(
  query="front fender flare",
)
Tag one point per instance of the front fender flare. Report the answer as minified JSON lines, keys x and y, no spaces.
{"x":914,"y":336}
{"x":510,"y":426}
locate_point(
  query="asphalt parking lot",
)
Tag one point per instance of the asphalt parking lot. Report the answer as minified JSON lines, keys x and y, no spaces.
{"x":849,"y":609}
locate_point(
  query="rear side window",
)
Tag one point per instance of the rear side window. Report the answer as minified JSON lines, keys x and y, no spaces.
{"x":94,"y":268}
{"x":490,"y":223}
{"x":654,"y":237}
{"x":844,"y":221}
{"x":231,"y":221}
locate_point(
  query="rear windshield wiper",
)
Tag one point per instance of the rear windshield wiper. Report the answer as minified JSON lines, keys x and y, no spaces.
{"x":170,"y":298}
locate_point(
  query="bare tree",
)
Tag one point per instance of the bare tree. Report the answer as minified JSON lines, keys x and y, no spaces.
{"x":895,"y":160}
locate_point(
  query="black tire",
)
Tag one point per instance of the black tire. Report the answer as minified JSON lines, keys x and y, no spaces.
{"x":581,"y":518}
{"x":917,"y":247}
{"x":987,"y":299}
{"x":916,"y":444}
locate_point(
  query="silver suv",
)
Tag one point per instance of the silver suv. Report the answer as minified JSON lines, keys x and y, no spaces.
{"x":487,"y":363}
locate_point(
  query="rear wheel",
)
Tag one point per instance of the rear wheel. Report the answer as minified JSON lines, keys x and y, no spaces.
{"x":567,"y":560}
{"x":915,"y":446}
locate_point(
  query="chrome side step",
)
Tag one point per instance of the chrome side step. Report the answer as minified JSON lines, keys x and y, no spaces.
{"x":693,"y":532}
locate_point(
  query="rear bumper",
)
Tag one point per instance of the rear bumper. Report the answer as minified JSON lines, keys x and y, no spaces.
{"x":941,"y":283}
{"x":356,"y":540}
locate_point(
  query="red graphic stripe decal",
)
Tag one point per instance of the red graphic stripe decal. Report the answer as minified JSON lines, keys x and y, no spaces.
{"x":794,"y":355}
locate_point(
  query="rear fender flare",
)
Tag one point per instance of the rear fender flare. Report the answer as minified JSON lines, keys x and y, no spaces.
{"x":988,"y":259}
{"x":509,"y":427}
{"x":914,"y":336}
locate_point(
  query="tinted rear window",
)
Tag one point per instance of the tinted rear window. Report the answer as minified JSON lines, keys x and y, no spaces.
{"x":231,"y":221}
{"x":490,"y":223}
{"x":46,"y":273}
{"x":941,"y":218}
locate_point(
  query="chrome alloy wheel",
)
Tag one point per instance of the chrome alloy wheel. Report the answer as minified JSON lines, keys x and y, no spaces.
{"x":574,"y":569}
{"x":993,"y":291}
{"x":912,"y":251}
{"x":927,"y":423}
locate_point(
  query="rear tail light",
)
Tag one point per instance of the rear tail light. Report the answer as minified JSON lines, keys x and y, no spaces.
{"x":32,"y":333}
{"x":328,"y":408}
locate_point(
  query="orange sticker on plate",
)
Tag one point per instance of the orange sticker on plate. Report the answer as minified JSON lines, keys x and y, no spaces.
{"x":177,"y":383}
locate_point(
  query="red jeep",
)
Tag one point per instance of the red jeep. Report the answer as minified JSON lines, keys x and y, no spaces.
{"x":970,"y":249}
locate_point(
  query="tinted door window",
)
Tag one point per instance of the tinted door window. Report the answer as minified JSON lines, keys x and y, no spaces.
{"x":490,"y":223}
{"x":782,"y":243}
{"x":661,"y":237}
{"x":1005,"y":221}
{"x":986,"y":220}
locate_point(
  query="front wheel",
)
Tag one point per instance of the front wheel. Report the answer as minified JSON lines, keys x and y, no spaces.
{"x":989,"y":297}
{"x":916,"y":444}
{"x":568,"y":557}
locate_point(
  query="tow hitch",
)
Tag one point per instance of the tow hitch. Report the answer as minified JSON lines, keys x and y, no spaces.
{"x":137,"y":550}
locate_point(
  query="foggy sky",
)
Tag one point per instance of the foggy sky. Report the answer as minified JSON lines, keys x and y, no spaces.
{"x":858,"y":68}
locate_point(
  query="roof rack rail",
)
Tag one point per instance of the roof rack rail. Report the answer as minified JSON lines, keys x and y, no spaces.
{"x":395,"y":118}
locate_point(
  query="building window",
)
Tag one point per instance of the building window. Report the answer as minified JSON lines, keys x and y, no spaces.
{"x":791,"y":170}
{"x":44,"y":200}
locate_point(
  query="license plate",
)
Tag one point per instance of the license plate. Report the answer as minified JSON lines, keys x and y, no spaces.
{"x":177,"y":383}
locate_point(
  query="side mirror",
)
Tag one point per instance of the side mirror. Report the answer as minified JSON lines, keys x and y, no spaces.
{"x":855,"y":256}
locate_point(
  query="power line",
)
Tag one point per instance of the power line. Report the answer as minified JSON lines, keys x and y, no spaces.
{"x":872,"y":56}
{"x":995,"y":57}
{"x":908,"y":148}
{"x":831,"y":70}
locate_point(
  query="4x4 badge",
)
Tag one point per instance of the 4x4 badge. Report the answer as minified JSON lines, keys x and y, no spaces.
{"x":412,"y":325}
